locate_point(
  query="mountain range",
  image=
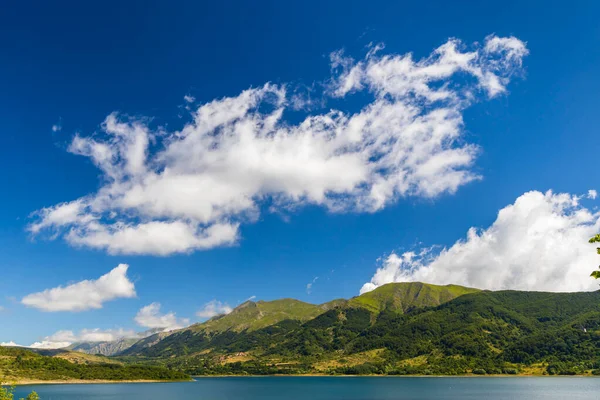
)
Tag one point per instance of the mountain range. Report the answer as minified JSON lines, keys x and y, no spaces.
{"x":110,"y":348}
{"x":251,"y":316}
{"x":398,"y":328}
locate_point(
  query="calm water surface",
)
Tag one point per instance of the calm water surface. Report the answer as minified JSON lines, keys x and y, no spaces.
{"x":331,"y":388}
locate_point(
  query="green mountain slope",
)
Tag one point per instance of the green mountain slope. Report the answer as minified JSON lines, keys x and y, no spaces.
{"x":251,"y":316}
{"x":146,"y":343}
{"x":254,"y":316}
{"x":403,"y":329}
{"x":403,"y":297}
{"x":248,"y":317}
{"x":493,"y":331}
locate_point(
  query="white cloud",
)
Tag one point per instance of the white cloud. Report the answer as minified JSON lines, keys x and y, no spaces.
{"x":400,"y":76}
{"x":538,"y":243}
{"x":38,"y":345}
{"x":592,"y":194}
{"x":45,"y":344}
{"x":9,"y":344}
{"x":150,"y":317}
{"x":66,"y":338}
{"x":84,"y":295}
{"x":214,"y":308}
{"x":511,"y":49}
{"x":239,"y":153}
{"x":155,"y":237}
{"x":189,"y":98}
{"x":92,"y":335}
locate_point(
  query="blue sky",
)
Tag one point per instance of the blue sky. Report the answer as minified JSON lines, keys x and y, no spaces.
{"x":67,"y":67}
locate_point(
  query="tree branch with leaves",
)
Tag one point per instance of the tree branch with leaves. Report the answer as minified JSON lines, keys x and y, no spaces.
{"x":6,"y":393}
{"x":596,"y":239}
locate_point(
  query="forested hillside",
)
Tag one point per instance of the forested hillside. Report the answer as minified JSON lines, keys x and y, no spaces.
{"x":401,"y":328}
{"x":409,"y":328}
{"x":17,"y":365}
{"x":259,"y":321}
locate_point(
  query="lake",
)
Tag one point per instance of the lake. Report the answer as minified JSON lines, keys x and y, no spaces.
{"x":331,"y":388}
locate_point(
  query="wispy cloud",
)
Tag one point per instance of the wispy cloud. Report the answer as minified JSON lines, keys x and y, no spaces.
{"x":238,"y":152}
{"x":84,"y":295}
{"x":310,"y":284}
{"x":540,"y":242}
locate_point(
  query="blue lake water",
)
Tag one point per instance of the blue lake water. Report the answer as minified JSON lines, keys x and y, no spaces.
{"x":331,"y":388}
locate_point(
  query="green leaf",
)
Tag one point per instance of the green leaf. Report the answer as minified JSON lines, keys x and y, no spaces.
{"x":595,"y":274}
{"x":33,"y":396}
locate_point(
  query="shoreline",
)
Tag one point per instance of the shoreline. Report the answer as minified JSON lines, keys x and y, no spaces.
{"x":26,"y":382}
{"x":395,"y":376}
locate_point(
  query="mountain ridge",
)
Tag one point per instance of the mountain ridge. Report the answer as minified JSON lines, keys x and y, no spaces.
{"x":252,"y":316}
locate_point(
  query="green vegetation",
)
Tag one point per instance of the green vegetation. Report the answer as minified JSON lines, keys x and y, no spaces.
{"x":407,"y":328}
{"x":248,"y":317}
{"x":397,"y":329}
{"x":19,"y":364}
{"x":596,"y":239}
{"x":260,"y":321}
{"x":7,"y":394}
{"x":251,"y":316}
{"x":404,"y":297}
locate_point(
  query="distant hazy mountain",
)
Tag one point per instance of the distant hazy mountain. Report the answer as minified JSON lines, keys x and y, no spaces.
{"x":113,"y":347}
